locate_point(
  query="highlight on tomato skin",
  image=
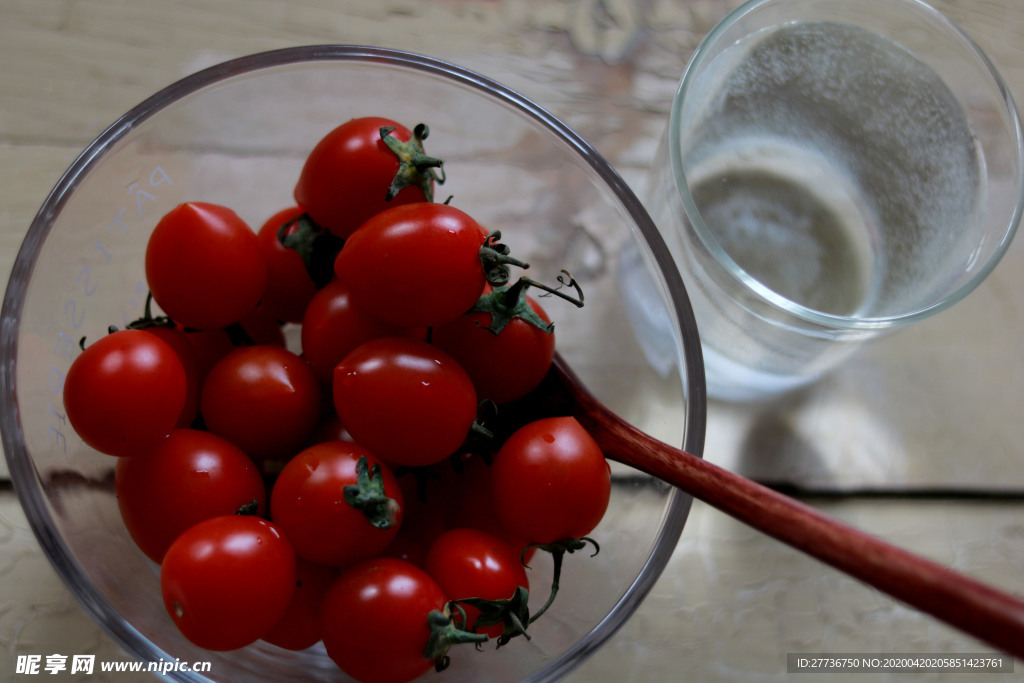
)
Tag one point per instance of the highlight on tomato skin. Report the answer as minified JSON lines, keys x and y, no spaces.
{"x":190,"y":476}
{"x":470,"y":563}
{"x":348,"y":175}
{"x":204,"y":266}
{"x":551,"y":481}
{"x":405,"y":400}
{"x":416,"y":265}
{"x":124,"y":392}
{"x":264,"y":398}
{"x":337,"y":503}
{"x":227,"y":580}
{"x":385,"y":621}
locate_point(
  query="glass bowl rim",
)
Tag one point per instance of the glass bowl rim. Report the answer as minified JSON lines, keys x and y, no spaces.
{"x":21,"y":468}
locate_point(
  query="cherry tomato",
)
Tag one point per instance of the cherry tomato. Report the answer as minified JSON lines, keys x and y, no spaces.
{"x":227,"y":580}
{"x":469,"y":563}
{"x":416,"y":265}
{"x":332,"y":327}
{"x":349,"y":174}
{"x":427,"y":494}
{"x":311,"y":503}
{"x":377,"y":620}
{"x":209,"y":346}
{"x":289,"y":286}
{"x":551,"y":481}
{"x":125,"y":392}
{"x":406,"y":400}
{"x":264,"y":399}
{"x":190,"y":476}
{"x":472,"y":505}
{"x":204,"y":266}
{"x":504,"y":365}
{"x":300,"y":627}
{"x":179,"y":341}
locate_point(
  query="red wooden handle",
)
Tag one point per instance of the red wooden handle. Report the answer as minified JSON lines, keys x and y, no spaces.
{"x":967,"y":604}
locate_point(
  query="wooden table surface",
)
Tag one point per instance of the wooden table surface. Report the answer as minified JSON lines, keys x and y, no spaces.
{"x":916,"y":441}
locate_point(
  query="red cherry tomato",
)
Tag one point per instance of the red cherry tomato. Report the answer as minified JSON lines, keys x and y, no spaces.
{"x":472,"y":505}
{"x":176,"y":338}
{"x":125,"y":392}
{"x":469,"y":563}
{"x":310,"y":502}
{"x":227,"y":580}
{"x":347,"y":176}
{"x":427,"y":494}
{"x":551,"y":481}
{"x":300,"y":627}
{"x":190,"y":476}
{"x":204,"y":266}
{"x":416,"y":265}
{"x":264,"y":399}
{"x":406,"y":400}
{"x":505,"y":365}
{"x":332,"y":327}
{"x":289,"y":286}
{"x":377,"y":620}
{"x":209,"y":346}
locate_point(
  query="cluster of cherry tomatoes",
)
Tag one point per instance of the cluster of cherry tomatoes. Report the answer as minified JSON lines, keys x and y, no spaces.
{"x":349,"y":492}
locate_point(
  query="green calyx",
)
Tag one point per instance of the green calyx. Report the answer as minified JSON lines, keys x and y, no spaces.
{"x":316,"y":247}
{"x":513,"y":613}
{"x":558,"y":549}
{"x":415,"y":167}
{"x":507,"y":302}
{"x":495,"y":259}
{"x":368,"y":496}
{"x":250,"y":509}
{"x":148,"y":320}
{"x":444,"y":634}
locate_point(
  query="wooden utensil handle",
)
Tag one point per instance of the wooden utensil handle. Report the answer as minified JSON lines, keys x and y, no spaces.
{"x":971,"y":606}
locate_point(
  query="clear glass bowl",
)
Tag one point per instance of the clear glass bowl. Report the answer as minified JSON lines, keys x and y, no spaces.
{"x":237,"y":134}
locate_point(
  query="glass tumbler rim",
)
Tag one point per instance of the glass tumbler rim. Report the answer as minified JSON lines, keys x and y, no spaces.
{"x":819,"y":319}
{"x":24,"y":475}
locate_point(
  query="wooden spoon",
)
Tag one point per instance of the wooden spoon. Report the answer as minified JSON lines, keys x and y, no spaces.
{"x":975,"y":608}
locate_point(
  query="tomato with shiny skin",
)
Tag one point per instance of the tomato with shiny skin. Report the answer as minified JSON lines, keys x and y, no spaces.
{"x":551,"y":481}
{"x":125,"y":392}
{"x":332,"y":327}
{"x":470,"y":563}
{"x":416,"y":265}
{"x":189,"y":476}
{"x":264,"y":399}
{"x":176,"y":338}
{"x":301,"y":626}
{"x":309,"y":503}
{"x":204,"y":266}
{"x":227,"y":580}
{"x":347,"y":175}
{"x":376,"y":620}
{"x":405,"y":400}
{"x":289,"y":286}
{"x":506,"y":365}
